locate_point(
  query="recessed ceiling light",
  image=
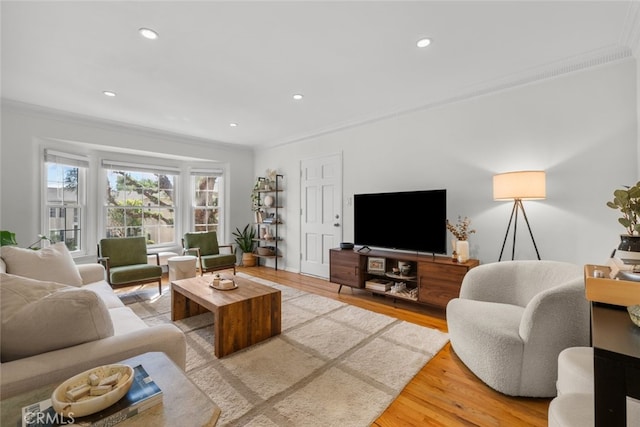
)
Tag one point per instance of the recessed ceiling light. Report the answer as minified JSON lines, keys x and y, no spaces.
{"x":108,"y":93}
{"x":148,"y":33}
{"x":298,"y":96}
{"x":423,"y":42}
{"x":233,"y":125}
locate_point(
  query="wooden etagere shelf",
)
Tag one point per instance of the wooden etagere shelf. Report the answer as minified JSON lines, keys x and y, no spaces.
{"x":272,"y":211}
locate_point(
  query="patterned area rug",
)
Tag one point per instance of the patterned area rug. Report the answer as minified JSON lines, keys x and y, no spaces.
{"x":333,"y":365}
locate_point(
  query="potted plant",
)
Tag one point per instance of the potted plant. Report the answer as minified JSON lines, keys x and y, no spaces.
{"x":245,"y":241}
{"x":7,"y":238}
{"x":461,"y":232}
{"x":627,"y":201}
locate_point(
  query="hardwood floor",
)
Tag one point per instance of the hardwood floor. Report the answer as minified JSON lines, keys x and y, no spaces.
{"x":444,"y":392}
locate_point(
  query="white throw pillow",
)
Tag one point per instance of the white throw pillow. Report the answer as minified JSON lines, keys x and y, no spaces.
{"x":53,"y":263}
{"x":38,"y":317}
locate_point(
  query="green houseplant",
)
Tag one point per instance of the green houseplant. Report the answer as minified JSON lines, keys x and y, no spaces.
{"x":627,"y":201}
{"x":7,"y":238}
{"x":245,"y":240}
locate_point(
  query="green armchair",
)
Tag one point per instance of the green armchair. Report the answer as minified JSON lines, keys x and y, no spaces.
{"x":204,"y":245}
{"x":125,"y":259}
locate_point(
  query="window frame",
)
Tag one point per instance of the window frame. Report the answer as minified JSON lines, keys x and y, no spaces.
{"x":176,"y":173}
{"x":82,"y":163}
{"x":193,"y":206}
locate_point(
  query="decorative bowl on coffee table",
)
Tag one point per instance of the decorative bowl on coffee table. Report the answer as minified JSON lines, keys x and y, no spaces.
{"x":92,"y":390}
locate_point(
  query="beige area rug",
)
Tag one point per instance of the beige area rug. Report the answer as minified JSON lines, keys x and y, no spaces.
{"x":333,"y":365}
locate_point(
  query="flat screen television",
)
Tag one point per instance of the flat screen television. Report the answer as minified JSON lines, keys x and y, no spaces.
{"x":407,"y":220}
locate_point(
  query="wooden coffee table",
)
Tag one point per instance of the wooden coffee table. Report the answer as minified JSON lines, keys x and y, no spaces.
{"x":242,"y":316}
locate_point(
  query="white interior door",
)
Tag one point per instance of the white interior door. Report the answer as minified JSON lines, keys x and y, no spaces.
{"x":321,"y":222}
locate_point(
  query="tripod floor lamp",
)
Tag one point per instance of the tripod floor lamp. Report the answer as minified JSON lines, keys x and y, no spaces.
{"x":519,"y":186}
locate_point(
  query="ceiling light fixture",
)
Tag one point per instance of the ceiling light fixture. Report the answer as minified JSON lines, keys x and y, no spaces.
{"x":298,"y":96}
{"x":233,"y":125}
{"x":148,"y":33}
{"x":423,"y":42}
{"x":108,"y":93}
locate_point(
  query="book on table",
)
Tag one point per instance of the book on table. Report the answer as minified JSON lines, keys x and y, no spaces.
{"x":143,"y":394}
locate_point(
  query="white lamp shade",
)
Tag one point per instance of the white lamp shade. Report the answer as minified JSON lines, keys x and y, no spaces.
{"x":519,"y":185}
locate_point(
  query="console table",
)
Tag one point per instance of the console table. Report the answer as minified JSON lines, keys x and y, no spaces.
{"x":616,"y":352}
{"x":434,"y":280}
{"x":616,"y":345}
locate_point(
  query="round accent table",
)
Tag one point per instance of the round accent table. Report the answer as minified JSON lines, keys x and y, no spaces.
{"x":182,"y":267}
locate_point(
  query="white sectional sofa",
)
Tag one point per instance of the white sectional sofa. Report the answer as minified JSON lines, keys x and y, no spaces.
{"x":52,"y":331}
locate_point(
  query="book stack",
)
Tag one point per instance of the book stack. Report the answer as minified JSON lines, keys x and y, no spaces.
{"x":379,"y":285}
{"x":143,"y":394}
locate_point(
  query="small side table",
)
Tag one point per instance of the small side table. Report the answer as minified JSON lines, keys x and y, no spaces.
{"x":182,"y":403}
{"x":182,"y":267}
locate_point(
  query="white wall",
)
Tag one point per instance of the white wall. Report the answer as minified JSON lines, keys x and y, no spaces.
{"x":24,"y":129}
{"x":581,"y":128}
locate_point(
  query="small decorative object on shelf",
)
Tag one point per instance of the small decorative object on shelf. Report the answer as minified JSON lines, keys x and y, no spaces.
{"x":461,"y":231}
{"x":405,"y":268}
{"x":376,"y":265}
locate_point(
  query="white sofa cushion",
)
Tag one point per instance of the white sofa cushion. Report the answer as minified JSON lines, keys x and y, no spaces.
{"x":105,"y":292}
{"x":53,"y":263}
{"x":125,"y":321}
{"x":38,"y":317}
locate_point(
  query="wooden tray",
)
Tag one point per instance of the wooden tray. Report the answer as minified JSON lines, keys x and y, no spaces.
{"x":610,"y":291}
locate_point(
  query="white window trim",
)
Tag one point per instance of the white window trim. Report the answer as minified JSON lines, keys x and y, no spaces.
{"x":222,"y":224}
{"x":145,"y":168}
{"x":49,"y":155}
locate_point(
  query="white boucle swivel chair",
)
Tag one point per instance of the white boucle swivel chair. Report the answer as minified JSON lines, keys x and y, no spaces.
{"x":513,"y":318}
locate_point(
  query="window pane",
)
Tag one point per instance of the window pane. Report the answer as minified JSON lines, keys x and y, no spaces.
{"x":166,"y":182}
{"x":132,"y":217}
{"x":165,"y":234}
{"x":64,"y":204}
{"x":133,"y":231}
{"x":148,"y":205}
{"x":212,"y":199}
{"x":115,"y":232}
{"x":201,"y":198}
{"x":205,"y":203}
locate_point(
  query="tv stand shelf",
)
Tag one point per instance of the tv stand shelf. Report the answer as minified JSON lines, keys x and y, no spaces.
{"x":435,"y":280}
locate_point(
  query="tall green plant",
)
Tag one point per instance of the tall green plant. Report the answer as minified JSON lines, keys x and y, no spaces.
{"x":245,"y":238}
{"x":627,"y":201}
{"x":7,"y":238}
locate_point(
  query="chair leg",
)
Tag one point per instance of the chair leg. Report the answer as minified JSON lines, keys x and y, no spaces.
{"x":160,"y":286}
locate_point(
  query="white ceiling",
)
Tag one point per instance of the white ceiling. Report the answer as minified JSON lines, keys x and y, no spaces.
{"x":219,"y":62}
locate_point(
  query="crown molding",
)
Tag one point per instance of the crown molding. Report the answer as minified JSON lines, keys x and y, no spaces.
{"x":115,"y":126}
{"x":595,"y":58}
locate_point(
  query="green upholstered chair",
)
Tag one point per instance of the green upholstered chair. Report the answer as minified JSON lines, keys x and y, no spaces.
{"x":125,"y":259}
{"x":204,"y":245}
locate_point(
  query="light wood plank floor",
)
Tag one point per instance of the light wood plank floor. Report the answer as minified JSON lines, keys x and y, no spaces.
{"x":444,"y":392}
